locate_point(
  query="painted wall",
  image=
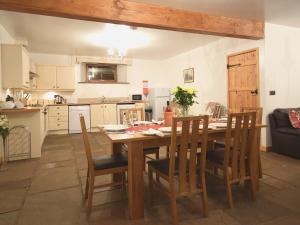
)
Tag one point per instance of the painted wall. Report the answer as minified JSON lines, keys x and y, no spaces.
{"x":140,"y":70}
{"x":5,"y":38}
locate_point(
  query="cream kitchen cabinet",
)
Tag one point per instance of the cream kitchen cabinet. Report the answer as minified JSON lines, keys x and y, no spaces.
{"x":47,"y":77}
{"x":103,"y":114}
{"x":55,"y":77}
{"x":15,"y":66}
{"x":65,"y":77}
{"x":58,"y":118}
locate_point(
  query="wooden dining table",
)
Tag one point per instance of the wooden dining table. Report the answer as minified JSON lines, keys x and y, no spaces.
{"x":136,"y":142}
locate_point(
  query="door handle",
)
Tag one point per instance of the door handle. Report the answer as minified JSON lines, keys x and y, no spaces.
{"x":255,"y":92}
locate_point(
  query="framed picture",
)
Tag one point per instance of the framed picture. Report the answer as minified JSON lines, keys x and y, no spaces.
{"x":188,"y":75}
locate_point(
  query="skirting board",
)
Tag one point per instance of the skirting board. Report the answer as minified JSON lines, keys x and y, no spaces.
{"x":265,"y":148}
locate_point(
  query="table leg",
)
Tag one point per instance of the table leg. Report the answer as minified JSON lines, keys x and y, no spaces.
{"x":116,"y":149}
{"x":135,"y":180}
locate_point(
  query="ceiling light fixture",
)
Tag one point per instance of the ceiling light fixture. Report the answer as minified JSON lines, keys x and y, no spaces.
{"x":119,"y":39}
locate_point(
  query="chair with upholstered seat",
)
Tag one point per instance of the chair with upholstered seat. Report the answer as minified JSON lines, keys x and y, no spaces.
{"x":187,"y":167}
{"x":135,"y":114}
{"x":236,"y":158}
{"x":101,"y":165}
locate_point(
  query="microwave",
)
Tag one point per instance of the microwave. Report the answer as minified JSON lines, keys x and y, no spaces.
{"x":136,"y":97}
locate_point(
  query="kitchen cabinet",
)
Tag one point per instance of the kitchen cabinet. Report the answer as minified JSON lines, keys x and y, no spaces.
{"x":65,"y":77}
{"x":55,"y":77}
{"x":102,"y":114}
{"x":47,"y":77}
{"x":58,"y":118}
{"x":15,"y":66}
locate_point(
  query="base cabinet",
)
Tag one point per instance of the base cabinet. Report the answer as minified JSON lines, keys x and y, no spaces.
{"x":102,"y":114}
{"x":58,"y":118}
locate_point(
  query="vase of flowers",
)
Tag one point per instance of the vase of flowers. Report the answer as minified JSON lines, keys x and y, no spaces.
{"x":4,"y":131}
{"x":185,"y":97}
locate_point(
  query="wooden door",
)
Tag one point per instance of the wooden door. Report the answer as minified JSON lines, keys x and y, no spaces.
{"x":243,"y":80}
{"x":47,"y":77}
{"x":110,"y":114}
{"x":65,"y":77}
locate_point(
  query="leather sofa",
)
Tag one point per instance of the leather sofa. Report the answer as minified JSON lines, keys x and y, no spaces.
{"x":285,"y":138}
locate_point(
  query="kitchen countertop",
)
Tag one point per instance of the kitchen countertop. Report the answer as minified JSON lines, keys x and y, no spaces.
{"x":96,"y":103}
{"x":22,"y":110}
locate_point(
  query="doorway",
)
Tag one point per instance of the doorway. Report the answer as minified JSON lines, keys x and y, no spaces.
{"x":243,"y":80}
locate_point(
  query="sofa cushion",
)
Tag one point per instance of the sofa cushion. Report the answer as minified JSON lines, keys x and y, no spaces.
{"x":282,"y":118}
{"x":294,"y":117}
{"x":289,"y":131}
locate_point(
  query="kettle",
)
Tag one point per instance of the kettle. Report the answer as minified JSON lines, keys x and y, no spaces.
{"x":58,"y":99}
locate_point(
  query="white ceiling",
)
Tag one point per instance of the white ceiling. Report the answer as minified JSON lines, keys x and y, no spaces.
{"x":67,"y":36}
{"x":284,"y":12}
{"x":55,"y":35}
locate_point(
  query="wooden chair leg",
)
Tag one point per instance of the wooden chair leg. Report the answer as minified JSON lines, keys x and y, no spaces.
{"x":91,"y":192}
{"x":157,"y":157}
{"x":204,"y":195}
{"x":173,"y":206}
{"x":124,"y":181}
{"x":150,"y":176}
{"x":259,"y":166}
{"x":228,"y":189}
{"x":87,"y":185}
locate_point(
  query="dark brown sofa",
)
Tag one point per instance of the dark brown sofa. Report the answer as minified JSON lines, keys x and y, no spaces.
{"x":285,"y":138}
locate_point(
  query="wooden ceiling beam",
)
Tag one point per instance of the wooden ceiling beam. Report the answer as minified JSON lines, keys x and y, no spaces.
{"x":140,"y":14}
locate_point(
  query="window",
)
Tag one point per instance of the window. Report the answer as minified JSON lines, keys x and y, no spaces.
{"x":101,"y":73}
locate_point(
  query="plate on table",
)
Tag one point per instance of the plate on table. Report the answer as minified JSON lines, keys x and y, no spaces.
{"x":115,"y":128}
{"x":168,"y":129}
{"x":142,"y":123}
{"x":150,"y":132}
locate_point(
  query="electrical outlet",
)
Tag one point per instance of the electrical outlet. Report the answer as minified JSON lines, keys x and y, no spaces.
{"x":272,"y":92}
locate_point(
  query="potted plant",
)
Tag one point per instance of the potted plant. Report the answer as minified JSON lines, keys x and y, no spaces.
{"x":4,"y":132}
{"x":185,"y":97}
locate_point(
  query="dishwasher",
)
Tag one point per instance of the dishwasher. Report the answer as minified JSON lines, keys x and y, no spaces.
{"x":74,"y":119}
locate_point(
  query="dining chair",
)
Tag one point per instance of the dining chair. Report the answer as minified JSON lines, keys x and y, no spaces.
{"x":101,"y":165}
{"x":138,"y":114}
{"x":259,"y":114}
{"x":236,"y":159}
{"x":185,"y":167}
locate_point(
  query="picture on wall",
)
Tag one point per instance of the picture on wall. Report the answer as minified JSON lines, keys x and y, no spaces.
{"x":188,"y":75}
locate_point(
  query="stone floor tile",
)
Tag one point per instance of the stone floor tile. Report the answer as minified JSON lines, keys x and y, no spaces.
{"x":57,"y":156}
{"x":54,"y":178}
{"x":9,"y":218}
{"x":286,"y":220}
{"x":12,"y":199}
{"x":18,"y":170}
{"x":61,"y":207}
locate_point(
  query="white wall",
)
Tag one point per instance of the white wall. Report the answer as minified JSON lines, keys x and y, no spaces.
{"x":210,"y":73}
{"x":5,"y":38}
{"x":140,"y":70}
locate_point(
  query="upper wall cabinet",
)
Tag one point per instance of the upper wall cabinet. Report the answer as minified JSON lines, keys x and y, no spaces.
{"x":55,"y":77}
{"x":15,"y":66}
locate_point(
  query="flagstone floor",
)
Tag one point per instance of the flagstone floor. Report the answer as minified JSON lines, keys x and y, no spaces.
{"x":49,"y":190}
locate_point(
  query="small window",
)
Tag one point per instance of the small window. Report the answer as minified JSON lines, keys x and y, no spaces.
{"x":101,"y":73}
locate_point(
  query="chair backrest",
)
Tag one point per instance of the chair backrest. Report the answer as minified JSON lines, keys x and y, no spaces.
{"x":239,"y":143}
{"x":87,"y":145}
{"x":257,"y":110}
{"x":133,"y":113}
{"x":188,"y":141}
